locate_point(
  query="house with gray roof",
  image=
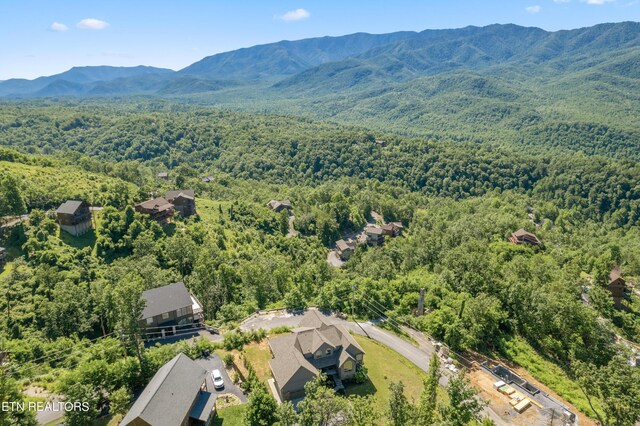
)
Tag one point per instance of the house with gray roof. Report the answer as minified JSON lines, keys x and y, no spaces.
{"x":74,"y":217}
{"x":183,"y":200}
{"x":169,"y":306}
{"x":177,"y":395}
{"x":316,"y":346}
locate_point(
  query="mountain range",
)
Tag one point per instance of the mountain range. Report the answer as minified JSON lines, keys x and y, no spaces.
{"x":483,"y":83}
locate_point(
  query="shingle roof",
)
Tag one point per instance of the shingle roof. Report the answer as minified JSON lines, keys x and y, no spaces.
{"x":156,"y":204}
{"x":165,"y":299}
{"x":345,"y":245}
{"x":289,"y":363}
{"x":170,"y":394}
{"x":204,"y":406}
{"x":187,"y":193}
{"x":69,"y":207}
{"x":614,"y":274}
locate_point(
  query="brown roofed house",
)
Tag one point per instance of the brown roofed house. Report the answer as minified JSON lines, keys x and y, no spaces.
{"x":316,"y":346}
{"x":184,"y":201}
{"x":176,"y":395}
{"x":392,"y":229}
{"x":163,"y":175}
{"x":345,"y":248}
{"x":74,"y":217}
{"x":616,"y":285}
{"x":279,"y":205}
{"x":159,"y":209}
{"x":523,"y":237}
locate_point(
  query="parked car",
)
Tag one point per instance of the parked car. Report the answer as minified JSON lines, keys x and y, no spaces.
{"x":218,"y":382}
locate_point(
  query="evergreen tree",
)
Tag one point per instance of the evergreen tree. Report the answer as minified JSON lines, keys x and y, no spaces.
{"x":427,"y":405}
{"x":400,"y":412}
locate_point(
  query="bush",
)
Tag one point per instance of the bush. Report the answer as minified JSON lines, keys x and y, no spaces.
{"x":228,"y":360}
{"x":361,"y":374}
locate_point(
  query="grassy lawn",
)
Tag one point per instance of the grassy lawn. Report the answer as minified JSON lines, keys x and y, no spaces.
{"x":258,"y":355}
{"x":548,"y":373}
{"x":231,"y":416}
{"x":386,"y":366}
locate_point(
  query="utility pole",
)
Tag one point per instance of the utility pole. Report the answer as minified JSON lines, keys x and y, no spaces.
{"x":421,"y":303}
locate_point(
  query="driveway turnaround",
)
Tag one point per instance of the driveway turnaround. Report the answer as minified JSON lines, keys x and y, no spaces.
{"x":215,"y":363}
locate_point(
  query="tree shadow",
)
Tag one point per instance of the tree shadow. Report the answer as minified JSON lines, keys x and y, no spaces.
{"x":87,"y":239}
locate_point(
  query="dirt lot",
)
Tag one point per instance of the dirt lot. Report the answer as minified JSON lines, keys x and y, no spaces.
{"x":500,"y":403}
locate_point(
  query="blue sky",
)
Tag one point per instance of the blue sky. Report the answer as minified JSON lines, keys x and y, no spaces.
{"x":44,"y":37}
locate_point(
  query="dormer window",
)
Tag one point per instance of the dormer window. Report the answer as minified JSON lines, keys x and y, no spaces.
{"x":329,"y":352}
{"x":318,"y":353}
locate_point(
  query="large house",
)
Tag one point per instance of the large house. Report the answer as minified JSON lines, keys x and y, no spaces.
{"x":523,"y":237}
{"x":345,"y":248}
{"x":183,"y":200}
{"x":279,"y":205}
{"x":74,"y":217}
{"x":617,"y":286}
{"x":392,"y":229}
{"x":169,"y":306}
{"x":316,"y":346}
{"x":159,"y":209}
{"x":176,"y":396}
{"x":375,"y":235}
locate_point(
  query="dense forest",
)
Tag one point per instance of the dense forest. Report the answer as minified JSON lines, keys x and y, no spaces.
{"x":71,"y":303}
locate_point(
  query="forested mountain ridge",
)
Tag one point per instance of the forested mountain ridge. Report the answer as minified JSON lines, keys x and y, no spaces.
{"x":525,"y":88}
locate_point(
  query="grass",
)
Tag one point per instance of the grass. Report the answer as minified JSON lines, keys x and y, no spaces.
{"x":258,"y":355}
{"x":386,"y":366}
{"x":230,"y":416}
{"x":551,"y":375}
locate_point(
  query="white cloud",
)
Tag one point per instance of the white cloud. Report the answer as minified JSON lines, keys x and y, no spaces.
{"x":58,"y":27}
{"x":533,"y":9}
{"x":92,"y":24}
{"x":597,"y":1}
{"x":295,"y":15}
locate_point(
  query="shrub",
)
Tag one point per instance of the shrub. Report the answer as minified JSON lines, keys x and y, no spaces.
{"x":228,"y":360}
{"x":361,"y":374}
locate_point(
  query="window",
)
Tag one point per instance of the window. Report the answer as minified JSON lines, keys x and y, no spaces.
{"x":347,"y":366}
{"x":329,"y":352}
{"x":359,"y":357}
{"x":318,"y":354}
{"x":149,"y":321}
{"x":165,"y":315}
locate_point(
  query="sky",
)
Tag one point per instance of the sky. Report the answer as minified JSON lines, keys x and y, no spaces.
{"x":45,"y":37}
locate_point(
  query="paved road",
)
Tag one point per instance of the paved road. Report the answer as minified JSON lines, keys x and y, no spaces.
{"x":419,"y":356}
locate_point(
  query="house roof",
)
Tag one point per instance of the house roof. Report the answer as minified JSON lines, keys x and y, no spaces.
{"x":159,"y":204}
{"x":316,"y":330}
{"x":69,"y":207}
{"x":203,"y":406}
{"x":343,"y":245}
{"x":274,"y":204}
{"x":615,"y":274}
{"x":186,"y":193}
{"x":375,"y":230}
{"x":162,"y":174}
{"x":170,"y":394}
{"x":165,"y":299}
{"x":523,"y":233}
{"x":207,"y":179}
